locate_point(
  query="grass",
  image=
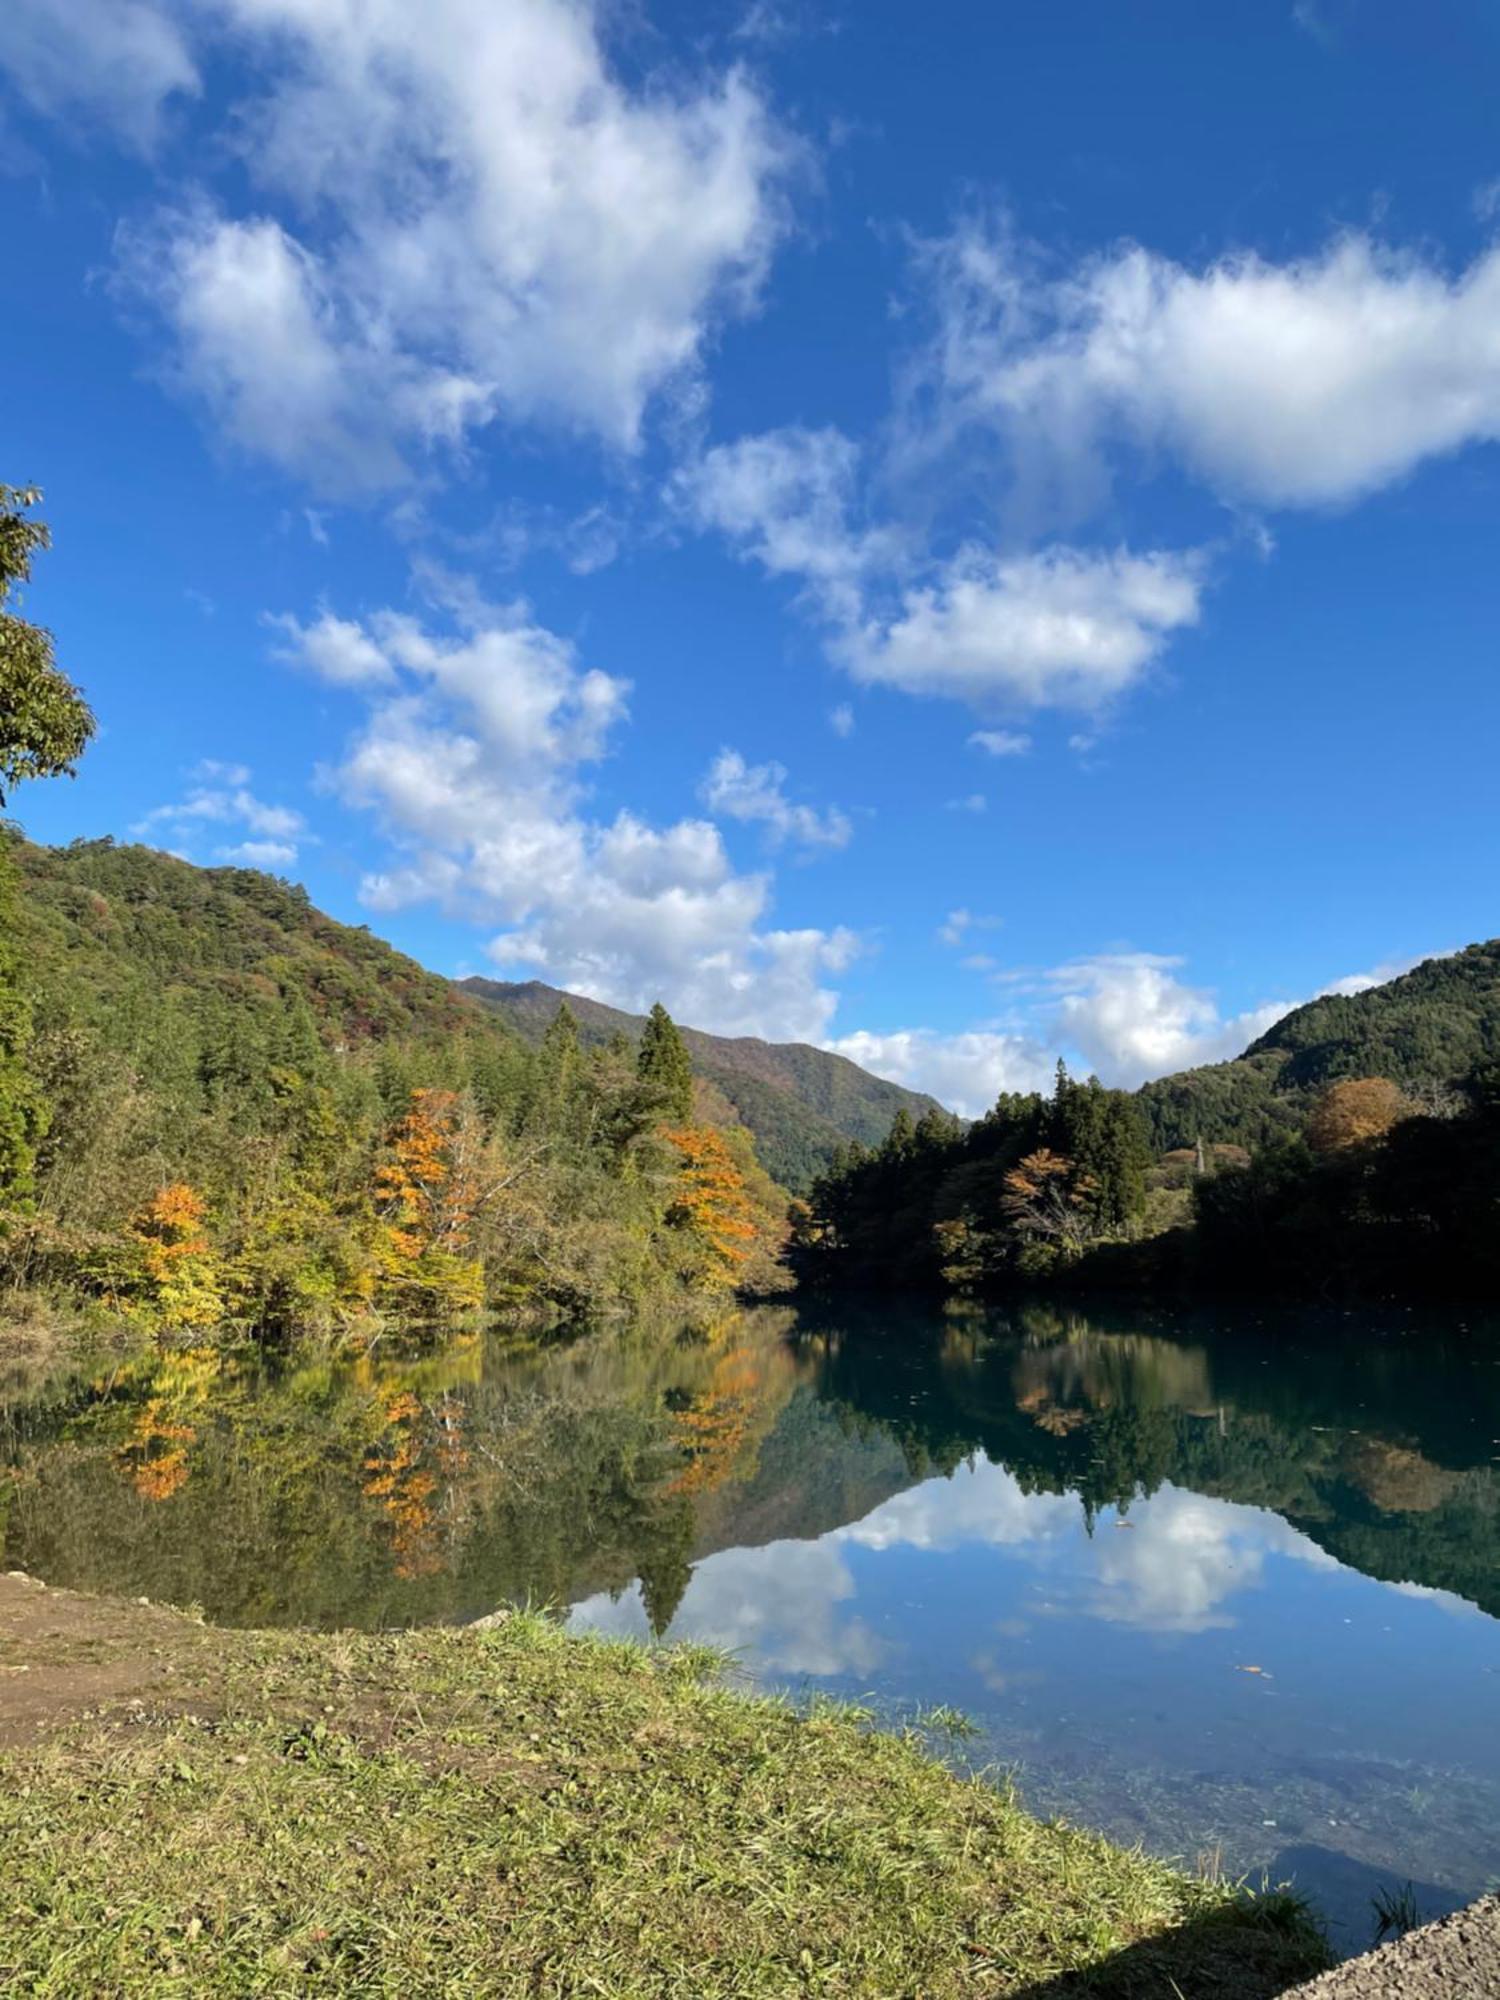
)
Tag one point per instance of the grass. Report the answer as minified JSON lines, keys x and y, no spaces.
{"x":519,"y":1811}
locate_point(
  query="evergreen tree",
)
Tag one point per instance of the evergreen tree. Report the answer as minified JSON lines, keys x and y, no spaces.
{"x":664,"y":1062}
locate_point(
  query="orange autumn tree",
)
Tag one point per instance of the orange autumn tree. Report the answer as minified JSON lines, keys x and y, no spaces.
{"x":1045,"y":1196}
{"x":427,"y":1193}
{"x":710,"y":1205}
{"x":171,"y":1279}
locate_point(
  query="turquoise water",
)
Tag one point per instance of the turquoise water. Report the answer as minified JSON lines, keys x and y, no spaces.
{"x":1225,"y":1584}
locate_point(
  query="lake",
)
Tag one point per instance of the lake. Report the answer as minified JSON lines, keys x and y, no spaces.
{"x":1227,"y":1583}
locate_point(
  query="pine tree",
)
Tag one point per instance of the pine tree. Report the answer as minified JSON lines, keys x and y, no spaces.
{"x":664,"y":1062}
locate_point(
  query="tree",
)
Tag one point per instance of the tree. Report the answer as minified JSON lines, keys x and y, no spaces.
{"x":429,"y":1192}
{"x":45,"y":722}
{"x":44,"y":725}
{"x":1045,"y":1197}
{"x":664,"y":1062}
{"x":1354,"y":1112}
{"x":710,"y":1204}
{"x":174,"y":1281}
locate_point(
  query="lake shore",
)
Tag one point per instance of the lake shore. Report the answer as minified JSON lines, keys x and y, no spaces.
{"x":185,"y":1808}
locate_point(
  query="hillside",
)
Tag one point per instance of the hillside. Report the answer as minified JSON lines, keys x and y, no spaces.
{"x":800,"y":1103}
{"x":218,"y":1104}
{"x":1432,"y":1026}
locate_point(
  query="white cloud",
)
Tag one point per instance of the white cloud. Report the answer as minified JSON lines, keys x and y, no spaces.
{"x":753,"y":792}
{"x":841,"y":719}
{"x":1064,"y":627}
{"x":259,"y":853}
{"x":966,"y":1071}
{"x":1307,"y":383}
{"x":1378,"y":975}
{"x":785,"y":498}
{"x":1125,"y":1016}
{"x":1000,"y":742}
{"x":472,"y":755}
{"x":957,"y":925}
{"x":970,"y":802}
{"x":118,"y":60}
{"x":784,"y":1606}
{"x":336,"y":649}
{"x":220,"y":796}
{"x":1131,"y":1017}
{"x":458,"y":212}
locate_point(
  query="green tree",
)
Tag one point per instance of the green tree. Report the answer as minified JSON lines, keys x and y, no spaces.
{"x":44,"y":725}
{"x":23,"y":1110}
{"x":45,"y":722}
{"x":664,"y":1062}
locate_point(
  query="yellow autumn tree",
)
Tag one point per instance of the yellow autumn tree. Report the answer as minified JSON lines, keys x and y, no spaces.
{"x":1353,"y":1112}
{"x":426,"y":1192}
{"x":171,"y":1279}
{"x":710,"y":1205}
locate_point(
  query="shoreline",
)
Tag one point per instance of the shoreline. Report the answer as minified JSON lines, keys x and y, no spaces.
{"x":193,"y":1808}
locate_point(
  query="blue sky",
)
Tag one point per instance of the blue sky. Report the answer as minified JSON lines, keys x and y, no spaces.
{"x":958,"y":533}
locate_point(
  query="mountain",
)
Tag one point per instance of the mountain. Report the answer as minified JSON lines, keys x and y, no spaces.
{"x":197,"y":974}
{"x":145,"y":947}
{"x":1425,"y":1031}
{"x":800,"y":1103}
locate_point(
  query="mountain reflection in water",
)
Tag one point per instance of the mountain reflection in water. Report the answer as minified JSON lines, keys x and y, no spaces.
{"x":1226,"y":1585}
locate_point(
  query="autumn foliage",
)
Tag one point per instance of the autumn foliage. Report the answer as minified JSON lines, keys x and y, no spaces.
{"x":710,"y":1203}
{"x":174,"y":1281}
{"x":427,"y":1193}
{"x":1354,"y":1112}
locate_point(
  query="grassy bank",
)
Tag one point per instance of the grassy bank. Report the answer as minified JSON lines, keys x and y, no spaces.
{"x":513,"y":1811}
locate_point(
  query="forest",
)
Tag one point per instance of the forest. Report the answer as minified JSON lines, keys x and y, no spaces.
{"x":1373,"y":1190}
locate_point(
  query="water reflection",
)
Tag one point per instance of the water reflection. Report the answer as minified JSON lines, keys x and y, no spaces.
{"x":1218,"y":1585}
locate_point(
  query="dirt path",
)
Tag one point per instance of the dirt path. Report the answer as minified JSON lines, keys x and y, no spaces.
{"x":64,"y":1657}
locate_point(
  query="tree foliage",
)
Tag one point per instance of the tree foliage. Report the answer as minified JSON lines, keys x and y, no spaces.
{"x":45,"y":723}
{"x":665,"y":1066}
{"x":1354,"y":1113}
{"x":1025,"y":1189}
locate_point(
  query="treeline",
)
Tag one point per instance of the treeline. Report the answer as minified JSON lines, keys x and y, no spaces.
{"x":196,"y":1161}
{"x":1019,"y":1194}
{"x":1377,"y":1195}
{"x":1373,"y":1194}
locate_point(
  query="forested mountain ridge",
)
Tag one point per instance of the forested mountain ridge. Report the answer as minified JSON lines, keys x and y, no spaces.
{"x":1425,"y":1030}
{"x":130,"y":931}
{"x":802,"y":1104}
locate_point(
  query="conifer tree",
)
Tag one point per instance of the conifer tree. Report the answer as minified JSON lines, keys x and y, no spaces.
{"x":664,"y":1063}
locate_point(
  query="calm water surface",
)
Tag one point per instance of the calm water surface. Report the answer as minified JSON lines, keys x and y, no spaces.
{"x":1223,"y":1584}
